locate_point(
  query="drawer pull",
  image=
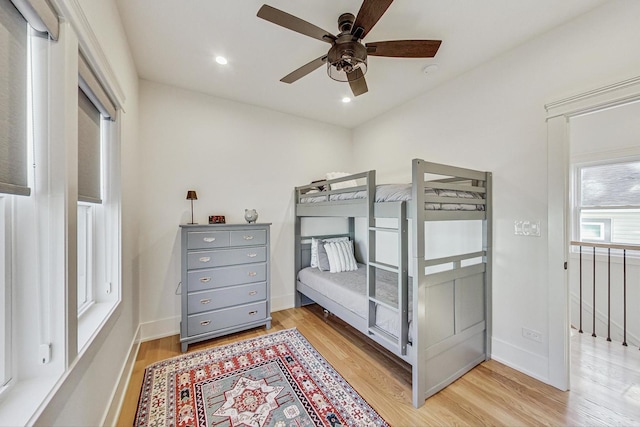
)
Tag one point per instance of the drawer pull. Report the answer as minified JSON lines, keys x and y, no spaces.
{"x":253,"y":313}
{"x":209,"y":239}
{"x":252,"y":273}
{"x":205,"y":301}
{"x":252,"y":255}
{"x":205,"y":259}
{"x":252,"y":293}
{"x":205,"y":279}
{"x":247,"y":237}
{"x":205,"y":322}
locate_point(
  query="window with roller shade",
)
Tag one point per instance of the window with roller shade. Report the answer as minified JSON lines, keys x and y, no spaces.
{"x":95,"y":112}
{"x":23,"y":24}
{"x":13,"y":157}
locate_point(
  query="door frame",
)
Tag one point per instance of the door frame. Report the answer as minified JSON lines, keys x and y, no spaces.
{"x":559,"y":114}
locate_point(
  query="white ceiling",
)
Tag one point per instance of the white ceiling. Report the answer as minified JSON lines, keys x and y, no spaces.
{"x":175,"y":42}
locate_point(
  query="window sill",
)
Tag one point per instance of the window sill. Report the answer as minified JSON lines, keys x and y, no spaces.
{"x":22,"y":399}
{"x":92,"y":320}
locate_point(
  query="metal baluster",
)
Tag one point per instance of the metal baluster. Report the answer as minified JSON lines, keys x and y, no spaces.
{"x":593,"y":309}
{"x":580,"y":330}
{"x":624,"y":295}
{"x":609,"y":294}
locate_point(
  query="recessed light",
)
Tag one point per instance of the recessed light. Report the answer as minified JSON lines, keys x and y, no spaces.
{"x":221,"y":60}
{"x":346,"y":100}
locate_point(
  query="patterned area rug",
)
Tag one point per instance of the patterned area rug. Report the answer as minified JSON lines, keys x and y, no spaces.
{"x":274,"y":380}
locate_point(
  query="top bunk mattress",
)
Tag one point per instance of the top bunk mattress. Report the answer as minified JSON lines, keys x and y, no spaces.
{"x":398,"y":193}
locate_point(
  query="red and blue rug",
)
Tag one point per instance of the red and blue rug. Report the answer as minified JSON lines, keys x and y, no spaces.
{"x":273,"y":380}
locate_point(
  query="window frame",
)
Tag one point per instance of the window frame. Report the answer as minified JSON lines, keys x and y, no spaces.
{"x":578,"y":210}
{"x":6,"y":371}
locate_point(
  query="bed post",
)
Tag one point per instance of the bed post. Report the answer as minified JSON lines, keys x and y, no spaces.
{"x":297,"y":264}
{"x":419,"y":374}
{"x":488,"y":248}
{"x":371,"y":248}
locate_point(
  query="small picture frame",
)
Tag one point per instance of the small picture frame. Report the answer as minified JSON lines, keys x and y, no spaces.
{"x":217,"y":219}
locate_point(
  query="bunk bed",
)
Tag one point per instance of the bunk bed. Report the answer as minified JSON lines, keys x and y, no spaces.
{"x":434,"y":313}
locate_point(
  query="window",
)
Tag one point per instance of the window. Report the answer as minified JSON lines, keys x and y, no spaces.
{"x":97,"y":205}
{"x":85,"y":257}
{"x":608,"y":202}
{"x":89,"y":196}
{"x":13,"y":159}
{"x":5,"y":293}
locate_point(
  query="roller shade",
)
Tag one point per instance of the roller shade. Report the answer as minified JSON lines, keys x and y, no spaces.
{"x":88,"y":150}
{"x":40,"y":15}
{"x":13,"y":101}
{"x":94,"y":90}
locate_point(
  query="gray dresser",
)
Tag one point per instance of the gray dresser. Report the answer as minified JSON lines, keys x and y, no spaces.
{"x":225,"y":280}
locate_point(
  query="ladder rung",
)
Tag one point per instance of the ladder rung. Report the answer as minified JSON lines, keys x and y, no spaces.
{"x":382,"y":266}
{"x":385,"y":229}
{"x":385,"y":304}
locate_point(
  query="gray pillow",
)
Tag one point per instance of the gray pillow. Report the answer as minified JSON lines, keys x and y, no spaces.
{"x":323,"y":259}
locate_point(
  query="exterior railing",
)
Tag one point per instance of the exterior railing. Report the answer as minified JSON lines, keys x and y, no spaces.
{"x":622,"y":251}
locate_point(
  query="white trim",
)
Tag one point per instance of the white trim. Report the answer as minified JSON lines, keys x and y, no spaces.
{"x":558,"y":162}
{"x":159,"y":328}
{"x":91,"y":49}
{"x":613,"y":95}
{"x":112,"y":413}
{"x":49,"y":410}
{"x":282,"y":302}
{"x":519,"y":359}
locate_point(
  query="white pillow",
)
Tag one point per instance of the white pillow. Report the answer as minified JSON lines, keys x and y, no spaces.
{"x":340,"y":256}
{"x":343,"y":184}
{"x":314,"y":248}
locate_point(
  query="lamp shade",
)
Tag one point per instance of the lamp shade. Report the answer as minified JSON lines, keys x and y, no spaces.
{"x":191,"y":195}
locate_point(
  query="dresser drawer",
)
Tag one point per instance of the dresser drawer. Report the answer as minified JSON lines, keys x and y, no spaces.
{"x":207,"y":239}
{"x":226,"y":297}
{"x":200,"y":280}
{"x":248,"y":237}
{"x":218,"y":258}
{"x":226,"y":318}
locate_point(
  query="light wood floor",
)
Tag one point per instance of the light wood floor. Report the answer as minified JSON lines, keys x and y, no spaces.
{"x":605,"y":380}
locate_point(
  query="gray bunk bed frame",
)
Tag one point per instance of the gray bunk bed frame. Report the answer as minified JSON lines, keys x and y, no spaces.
{"x":451,"y":310}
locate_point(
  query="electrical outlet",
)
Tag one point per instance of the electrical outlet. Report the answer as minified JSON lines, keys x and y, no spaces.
{"x":532,"y":335}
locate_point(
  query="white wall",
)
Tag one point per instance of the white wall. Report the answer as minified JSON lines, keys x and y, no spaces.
{"x":235,"y":156}
{"x":493,"y":118}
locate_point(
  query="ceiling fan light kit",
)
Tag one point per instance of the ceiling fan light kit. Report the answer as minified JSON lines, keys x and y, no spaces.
{"x":347,"y":57}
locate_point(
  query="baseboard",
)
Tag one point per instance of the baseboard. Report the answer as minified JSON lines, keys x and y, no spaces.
{"x":117,"y":397}
{"x":282,"y":302}
{"x":522,"y":360}
{"x":159,"y":328}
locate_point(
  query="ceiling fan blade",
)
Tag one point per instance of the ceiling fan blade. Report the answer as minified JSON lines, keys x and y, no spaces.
{"x":294,"y":23}
{"x":357,"y":82}
{"x":304,"y":70}
{"x":404,"y":48}
{"x":369,"y":14}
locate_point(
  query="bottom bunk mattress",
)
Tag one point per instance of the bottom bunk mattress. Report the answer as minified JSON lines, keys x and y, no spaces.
{"x":349,"y":290}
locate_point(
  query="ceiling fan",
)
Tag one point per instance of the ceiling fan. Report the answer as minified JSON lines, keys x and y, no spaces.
{"x":347,"y":57}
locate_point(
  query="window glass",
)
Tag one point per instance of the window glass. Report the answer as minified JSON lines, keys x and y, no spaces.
{"x":614,"y":184}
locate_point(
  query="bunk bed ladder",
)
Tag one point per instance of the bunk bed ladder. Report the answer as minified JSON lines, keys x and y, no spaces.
{"x":398,"y":344}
